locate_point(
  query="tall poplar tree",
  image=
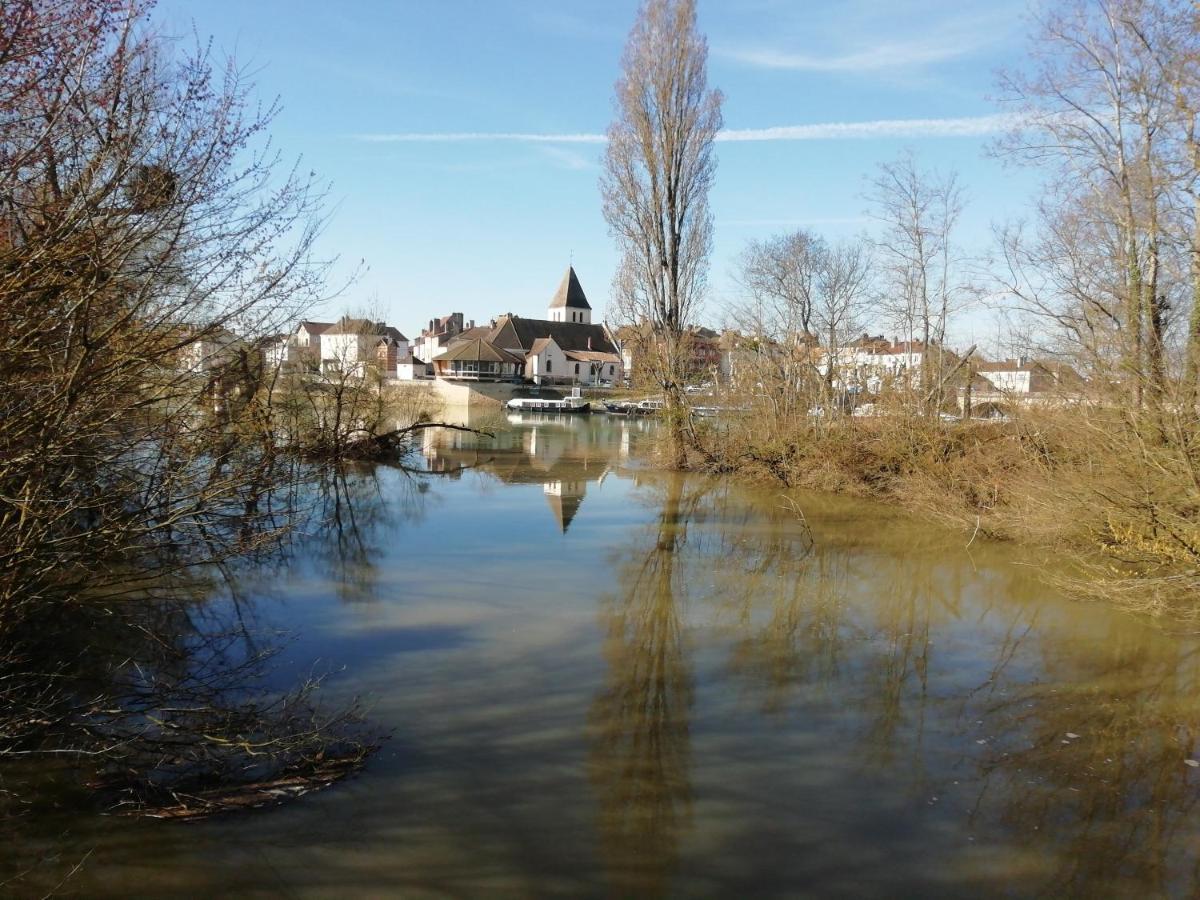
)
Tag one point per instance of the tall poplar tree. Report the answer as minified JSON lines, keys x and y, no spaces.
{"x":658,"y":169}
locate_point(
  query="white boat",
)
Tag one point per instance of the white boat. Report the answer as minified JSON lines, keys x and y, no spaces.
{"x":546,"y":405}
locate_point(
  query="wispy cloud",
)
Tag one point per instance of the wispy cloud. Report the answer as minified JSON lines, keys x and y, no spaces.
{"x":868,"y":41}
{"x":809,"y":222}
{"x":964,"y":126}
{"x":455,"y":137}
{"x":875,"y":59}
{"x":567,"y":159}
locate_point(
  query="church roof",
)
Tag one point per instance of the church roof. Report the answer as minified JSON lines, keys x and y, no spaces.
{"x":516,"y":332}
{"x":570,"y":293}
{"x":564,"y":508}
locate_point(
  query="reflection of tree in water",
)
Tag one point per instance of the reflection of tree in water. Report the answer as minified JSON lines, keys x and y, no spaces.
{"x":1091,"y":760}
{"x":166,"y":701}
{"x":1081,"y":739}
{"x":352,"y":516}
{"x":639,"y":725}
{"x":776,"y":570}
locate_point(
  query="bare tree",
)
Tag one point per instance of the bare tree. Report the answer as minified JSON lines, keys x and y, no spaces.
{"x":844,"y":285}
{"x":150,"y":239}
{"x":918,"y":210}
{"x":658,"y":168}
{"x":1109,"y":265}
{"x":1102,"y":112}
{"x":781,"y":273}
{"x":802,"y":293}
{"x":782,"y":276}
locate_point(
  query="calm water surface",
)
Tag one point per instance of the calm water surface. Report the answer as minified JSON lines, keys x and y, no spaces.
{"x":604,"y":680}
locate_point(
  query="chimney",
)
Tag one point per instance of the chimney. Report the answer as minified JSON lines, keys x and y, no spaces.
{"x":589,"y":342}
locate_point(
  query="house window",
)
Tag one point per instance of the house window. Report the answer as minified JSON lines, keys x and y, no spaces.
{"x":549,"y":366}
{"x":576,"y":368}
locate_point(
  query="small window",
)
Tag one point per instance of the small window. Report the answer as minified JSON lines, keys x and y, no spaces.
{"x":576,"y":368}
{"x":549,"y":366}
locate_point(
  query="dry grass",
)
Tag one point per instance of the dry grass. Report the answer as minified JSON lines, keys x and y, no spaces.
{"x":1084,"y":481}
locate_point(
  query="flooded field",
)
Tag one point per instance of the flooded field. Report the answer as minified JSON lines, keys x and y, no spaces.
{"x":604,"y":680}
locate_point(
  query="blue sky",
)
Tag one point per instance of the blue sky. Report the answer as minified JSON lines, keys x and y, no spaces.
{"x":400,"y":104}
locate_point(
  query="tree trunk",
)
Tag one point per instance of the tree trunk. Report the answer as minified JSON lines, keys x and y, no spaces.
{"x":1191,"y":375}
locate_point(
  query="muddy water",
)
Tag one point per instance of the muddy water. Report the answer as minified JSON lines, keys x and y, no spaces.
{"x":605,"y":680}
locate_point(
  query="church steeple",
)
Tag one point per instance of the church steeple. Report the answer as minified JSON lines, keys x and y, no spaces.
{"x":569,"y":303}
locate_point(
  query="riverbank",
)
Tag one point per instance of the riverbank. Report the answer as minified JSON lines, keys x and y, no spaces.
{"x":1080,"y":482}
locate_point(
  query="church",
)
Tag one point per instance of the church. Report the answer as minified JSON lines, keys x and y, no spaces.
{"x":564,"y":348}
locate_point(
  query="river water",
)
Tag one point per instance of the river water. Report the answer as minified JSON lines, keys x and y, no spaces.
{"x":605,"y":680}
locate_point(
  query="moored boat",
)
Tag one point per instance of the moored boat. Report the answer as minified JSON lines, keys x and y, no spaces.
{"x":546,"y":405}
{"x":628,"y":408}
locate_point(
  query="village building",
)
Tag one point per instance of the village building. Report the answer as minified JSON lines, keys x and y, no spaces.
{"x":435,"y":338}
{"x":1026,"y":376}
{"x":871,"y":362}
{"x":705,"y":353}
{"x":565,"y":348}
{"x":212,"y":350}
{"x":301,"y":347}
{"x":352,"y":345}
{"x":413,"y":368}
{"x":478,"y":360}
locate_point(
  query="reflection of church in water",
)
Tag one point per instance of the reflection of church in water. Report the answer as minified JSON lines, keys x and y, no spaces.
{"x":561,"y":453}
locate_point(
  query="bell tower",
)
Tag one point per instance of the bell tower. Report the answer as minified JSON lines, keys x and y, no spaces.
{"x":569,"y":303}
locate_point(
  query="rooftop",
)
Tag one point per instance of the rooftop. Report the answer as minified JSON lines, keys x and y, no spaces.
{"x":570,"y":293}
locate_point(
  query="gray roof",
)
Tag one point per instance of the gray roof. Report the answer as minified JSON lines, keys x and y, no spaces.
{"x":570,"y":293}
{"x":513,"y":332}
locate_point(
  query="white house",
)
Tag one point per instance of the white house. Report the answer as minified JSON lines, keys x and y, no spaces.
{"x":351,"y":345}
{"x":1025,"y":376}
{"x":211,"y":350}
{"x":302,"y":345}
{"x":411,"y":368}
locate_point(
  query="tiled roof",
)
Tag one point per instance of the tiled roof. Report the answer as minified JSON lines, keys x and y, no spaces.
{"x":514,"y":332}
{"x":591,"y":356}
{"x":347,"y":325}
{"x":479,"y":351}
{"x":570,"y":293}
{"x":472,"y":334}
{"x":1011,"y":365}
{"x":539,"y":345}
